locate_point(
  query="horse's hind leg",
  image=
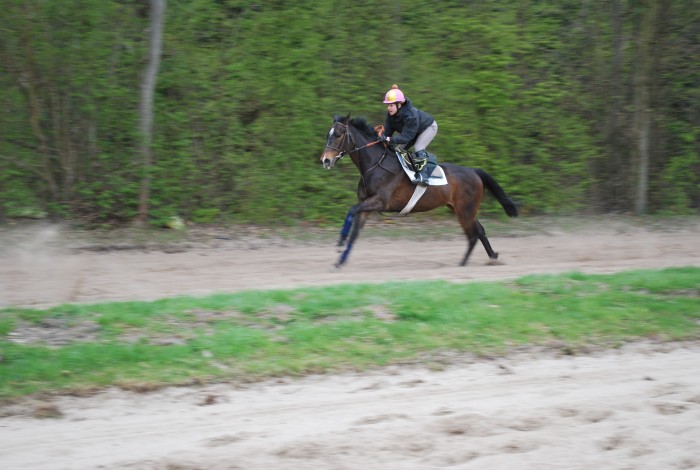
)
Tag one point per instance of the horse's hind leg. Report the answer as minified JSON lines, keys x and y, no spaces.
{"x":485,"y":241}
{"x":470,"y":230}
{"x":470,"y":247}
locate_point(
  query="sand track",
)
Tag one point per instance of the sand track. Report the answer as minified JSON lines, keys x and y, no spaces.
{"x":47,"y":266}
{"x":638,"y":407}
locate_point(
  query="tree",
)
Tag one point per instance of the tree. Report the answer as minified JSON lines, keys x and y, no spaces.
{"x":564,"y":100}
{"x":148,"y":85}
{"x":642,"y":104}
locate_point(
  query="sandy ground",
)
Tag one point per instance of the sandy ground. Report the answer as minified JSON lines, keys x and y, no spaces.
{"x":633,"y":408}
{"x":46,"y":265}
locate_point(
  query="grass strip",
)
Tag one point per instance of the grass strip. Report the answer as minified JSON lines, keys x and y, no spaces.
{"x":259,"y":334}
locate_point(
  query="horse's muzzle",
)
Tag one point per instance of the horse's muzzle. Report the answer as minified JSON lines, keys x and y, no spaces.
{"x":328,"y":159}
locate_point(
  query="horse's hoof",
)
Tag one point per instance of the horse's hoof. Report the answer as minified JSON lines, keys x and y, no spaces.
{"x":334,"y":269}
{"x":494,"y":262}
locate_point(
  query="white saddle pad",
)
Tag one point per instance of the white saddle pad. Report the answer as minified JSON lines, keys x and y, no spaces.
{"x":438,"y":177}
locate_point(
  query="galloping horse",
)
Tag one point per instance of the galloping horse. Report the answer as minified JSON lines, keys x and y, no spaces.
{"x":383,"y":186}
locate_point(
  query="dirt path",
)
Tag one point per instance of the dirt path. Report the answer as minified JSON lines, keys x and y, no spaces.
{"x":47,"y":266}
{"x":638,"y":407}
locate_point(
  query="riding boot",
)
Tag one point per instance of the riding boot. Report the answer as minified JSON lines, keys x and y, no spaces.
{"x":420,"y":160}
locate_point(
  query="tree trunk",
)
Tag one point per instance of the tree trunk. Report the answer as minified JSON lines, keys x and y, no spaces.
{"x":642,"y":102}
{"x":616,"y":144}
{"x":148,"y":84}
{"x":30,"y":85}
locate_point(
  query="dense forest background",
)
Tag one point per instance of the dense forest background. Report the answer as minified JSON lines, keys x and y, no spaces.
{"x":574,"y":106}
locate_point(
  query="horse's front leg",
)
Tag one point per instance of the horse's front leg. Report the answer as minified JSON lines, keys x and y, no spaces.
{"x":347,"y":225}
{"x":354,"y":221}
{"x":359,"y":222}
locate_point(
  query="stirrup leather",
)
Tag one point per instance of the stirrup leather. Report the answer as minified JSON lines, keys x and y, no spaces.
{"x":405,"y":156}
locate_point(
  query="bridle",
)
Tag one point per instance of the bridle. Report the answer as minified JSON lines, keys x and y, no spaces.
{"x":346,"y":141}
{"x":341,"y":143}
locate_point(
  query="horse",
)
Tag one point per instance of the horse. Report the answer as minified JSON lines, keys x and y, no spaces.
{"x":383,"y":187}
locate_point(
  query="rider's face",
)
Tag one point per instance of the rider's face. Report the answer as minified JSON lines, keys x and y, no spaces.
{"x":393,"y":108}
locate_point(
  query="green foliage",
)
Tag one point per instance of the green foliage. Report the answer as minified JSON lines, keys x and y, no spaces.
{"x":247,"y":90}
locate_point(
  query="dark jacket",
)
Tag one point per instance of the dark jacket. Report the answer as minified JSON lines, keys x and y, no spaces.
{"x":409,"y":122}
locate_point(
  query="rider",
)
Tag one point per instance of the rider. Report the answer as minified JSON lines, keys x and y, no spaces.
{"x":415,"y":127}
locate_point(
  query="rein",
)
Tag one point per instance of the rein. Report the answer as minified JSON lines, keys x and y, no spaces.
{"x":343,"y":152}
{"x":346,"y":134}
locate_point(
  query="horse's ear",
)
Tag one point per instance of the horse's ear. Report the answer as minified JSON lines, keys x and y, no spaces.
{"x":339,"y":118}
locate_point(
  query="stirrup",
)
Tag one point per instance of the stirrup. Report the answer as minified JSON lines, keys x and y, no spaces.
{"x":421,"y":180}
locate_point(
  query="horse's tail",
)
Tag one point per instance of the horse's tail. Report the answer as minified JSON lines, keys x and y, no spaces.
{"x":498,"y":192}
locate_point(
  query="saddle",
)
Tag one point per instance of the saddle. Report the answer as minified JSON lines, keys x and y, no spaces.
{"x":435,"y":173}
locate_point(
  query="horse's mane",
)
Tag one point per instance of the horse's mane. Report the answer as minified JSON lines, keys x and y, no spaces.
{"x":363,"y":126}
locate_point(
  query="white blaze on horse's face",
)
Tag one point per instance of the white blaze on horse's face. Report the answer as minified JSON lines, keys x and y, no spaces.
{"x":331,"y":154}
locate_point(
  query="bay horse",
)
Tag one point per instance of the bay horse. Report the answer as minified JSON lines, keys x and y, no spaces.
{"x":383,"y":186}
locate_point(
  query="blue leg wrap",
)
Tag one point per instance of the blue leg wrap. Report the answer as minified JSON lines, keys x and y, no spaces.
{"x":345,"y":254}
{"x":346,"y":226}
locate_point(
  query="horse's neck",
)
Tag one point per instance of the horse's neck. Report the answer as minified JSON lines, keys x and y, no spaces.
{"x":370,"y":158}
{"x":375,"y":159}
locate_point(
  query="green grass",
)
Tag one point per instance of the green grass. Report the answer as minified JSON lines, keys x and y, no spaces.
{"x":258,"y":334}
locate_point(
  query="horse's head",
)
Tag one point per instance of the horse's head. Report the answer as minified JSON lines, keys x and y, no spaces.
{"x":339,"y":142}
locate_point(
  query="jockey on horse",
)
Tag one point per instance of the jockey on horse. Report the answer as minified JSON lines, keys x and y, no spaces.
{"x":415,"y":128}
